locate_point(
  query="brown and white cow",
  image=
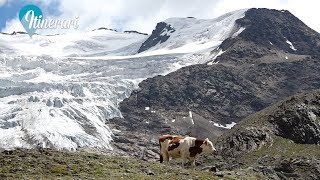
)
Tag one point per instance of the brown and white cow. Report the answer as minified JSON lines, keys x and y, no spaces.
{"x":187,"y":148}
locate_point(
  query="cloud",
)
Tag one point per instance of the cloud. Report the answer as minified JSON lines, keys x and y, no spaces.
{"x":13,"y":25}
{"x":142,"y":15}
{"x":3,"y":2}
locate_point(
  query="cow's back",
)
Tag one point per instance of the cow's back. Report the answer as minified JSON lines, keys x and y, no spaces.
{"x":182,"y":147}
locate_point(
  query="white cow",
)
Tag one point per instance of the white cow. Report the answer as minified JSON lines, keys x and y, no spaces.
{"x":187,"y":148}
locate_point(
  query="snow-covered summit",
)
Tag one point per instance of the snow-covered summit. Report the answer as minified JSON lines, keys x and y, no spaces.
{"x":101,"y":41}
{"x":183,"y":35}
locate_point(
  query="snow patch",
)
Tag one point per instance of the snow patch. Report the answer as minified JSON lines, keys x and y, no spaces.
{"x":215,"y":56}
{"x":312,"y":116}
{"x":291,"y":45}
{"x":116,"y":130}
{"x":79,"y":44}
{"x":227,"y":126}
{"x":191,"y":118}
{"x":238,"y":32}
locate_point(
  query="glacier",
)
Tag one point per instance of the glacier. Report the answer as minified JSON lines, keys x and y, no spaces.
{"x":59,"y":91}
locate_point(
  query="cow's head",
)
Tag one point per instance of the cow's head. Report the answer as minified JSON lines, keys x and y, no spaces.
{"x":207,"y":147}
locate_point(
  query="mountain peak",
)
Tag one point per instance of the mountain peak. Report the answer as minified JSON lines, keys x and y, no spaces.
{"x":104,"y":28}
{"x":280,"y":29}
{"x":198,"y":34}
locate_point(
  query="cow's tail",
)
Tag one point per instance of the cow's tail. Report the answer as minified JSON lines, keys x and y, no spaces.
{"x":161,"y":156}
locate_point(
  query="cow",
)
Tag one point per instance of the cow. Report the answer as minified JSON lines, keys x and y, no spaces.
{"x":186,"y":148}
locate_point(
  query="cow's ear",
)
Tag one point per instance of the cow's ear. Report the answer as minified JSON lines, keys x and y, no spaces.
{"x":205,"y":142}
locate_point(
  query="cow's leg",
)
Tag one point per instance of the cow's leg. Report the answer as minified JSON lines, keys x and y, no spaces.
{"x":184,"y":157}
{"x":194,"y":163}
{"x":166,"y":157}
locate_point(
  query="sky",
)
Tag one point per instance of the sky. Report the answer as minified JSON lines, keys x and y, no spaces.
{"x":143,"y":15}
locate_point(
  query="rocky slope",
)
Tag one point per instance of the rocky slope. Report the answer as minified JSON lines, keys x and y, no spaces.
{"x":279,"y":29}
{"x":296,"y":119}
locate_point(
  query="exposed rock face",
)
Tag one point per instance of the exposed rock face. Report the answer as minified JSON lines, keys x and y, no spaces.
{"x":298,"y":168}
{"x":220,"y":93}
{"x":158,"y":35}
{"x":296,"y":119}
{"x":276,"y":28}
{"x":135,"y":32}
{"x":247,"y":140}
{"x":104,"y":28}
{"x":293,"y":168}
{"x":268,"y":33}
{"x":299,"y":122}
{"x":255,"y":140}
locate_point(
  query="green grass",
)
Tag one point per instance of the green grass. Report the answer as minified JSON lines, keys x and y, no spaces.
{"x":59,"y":169}
{"x":24,"y":164}
{"x":284,"y":148}
{"x":31,"y":164}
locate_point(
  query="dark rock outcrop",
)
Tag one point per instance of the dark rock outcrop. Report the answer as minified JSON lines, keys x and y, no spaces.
{"x":159,"y":35}
{"x":300,"y":121}
{"x":281,"y":141}
{"x":296,"y":118}
{"x":267,"y":34}
{"x":220,"y":93}
{"x":135,"y":32}
{"x":273,"y":28}
{"x":292,"y":168}
{"x":104,"y":28}
{"x":247,"y":140}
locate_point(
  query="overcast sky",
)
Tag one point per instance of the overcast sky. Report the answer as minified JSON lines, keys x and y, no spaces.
{"x":143,"y":15}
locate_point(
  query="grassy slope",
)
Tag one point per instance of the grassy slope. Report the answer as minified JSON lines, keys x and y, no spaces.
{"x":284,"y":148}
{"x":49,"y":164}
{"x":69,"y":165}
